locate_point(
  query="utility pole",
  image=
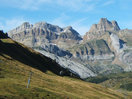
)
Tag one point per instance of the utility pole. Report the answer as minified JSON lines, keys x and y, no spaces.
{"x":125,"y":88}
{"x":29,"y":79}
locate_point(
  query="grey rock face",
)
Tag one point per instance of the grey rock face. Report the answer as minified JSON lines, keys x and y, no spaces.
{"x":74,"y":67}
{"x":48,"y":27}
{"x":25,"y":26}
{"x":70,"y":33}
{"x":128,"y":60}
{"x":105,"y":25}
{"x":54,"y":50}
{"x":118,"y":44}
{"x":42,"y":32}
{"x":92,"y":50}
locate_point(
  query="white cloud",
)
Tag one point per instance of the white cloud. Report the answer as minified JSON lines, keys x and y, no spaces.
{"x":109,"y":2}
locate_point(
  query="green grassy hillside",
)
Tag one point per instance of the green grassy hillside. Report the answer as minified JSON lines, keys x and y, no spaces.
{"x":16,"y":62}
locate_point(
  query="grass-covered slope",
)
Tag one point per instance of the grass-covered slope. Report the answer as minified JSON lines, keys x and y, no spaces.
{"x":15,"y":51}
{"x":16,"y":62}
{"x":120,"y":81}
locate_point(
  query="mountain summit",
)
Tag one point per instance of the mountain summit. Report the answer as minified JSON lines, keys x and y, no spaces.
{"x":42,"y":32}
{"x":105,"y":25}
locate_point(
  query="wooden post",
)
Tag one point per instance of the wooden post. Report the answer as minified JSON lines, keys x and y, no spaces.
{"x":30,"y":74}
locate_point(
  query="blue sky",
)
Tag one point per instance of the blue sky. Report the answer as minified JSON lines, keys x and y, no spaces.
{"x":80,"y":14}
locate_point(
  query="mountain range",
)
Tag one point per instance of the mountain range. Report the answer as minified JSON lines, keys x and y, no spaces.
{"x":104,"y":49}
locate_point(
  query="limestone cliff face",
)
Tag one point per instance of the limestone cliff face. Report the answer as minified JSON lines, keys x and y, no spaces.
{"x":42,"y":32}
{"x":73,"y":66}
{"x":54,"y":50}
{"x":92,"y":50}
{"x":118,"y":44}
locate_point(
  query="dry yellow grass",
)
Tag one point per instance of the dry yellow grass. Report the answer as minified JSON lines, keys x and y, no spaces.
{"x":8,"y":40}
{"x":64,"y":86}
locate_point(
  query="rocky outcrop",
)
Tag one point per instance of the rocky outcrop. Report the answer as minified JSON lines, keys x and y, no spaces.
{"x":3,"y":35}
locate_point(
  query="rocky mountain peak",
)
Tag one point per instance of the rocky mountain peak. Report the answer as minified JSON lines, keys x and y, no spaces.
{"x":25,"y":25}
{"x":43,"y":32}
{"x":105,"y":25}
{"x":104,"y":21}
{"x":47,"y":26}
{"x":69,"y":27}
{"x":116,"y":26}
{"x":41,"y":24}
